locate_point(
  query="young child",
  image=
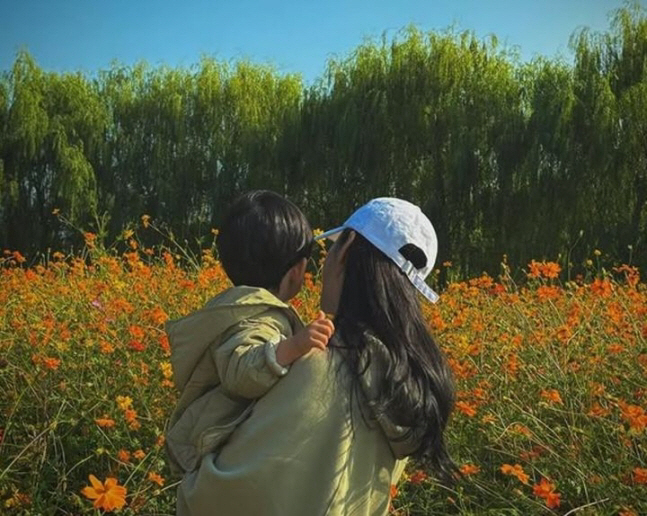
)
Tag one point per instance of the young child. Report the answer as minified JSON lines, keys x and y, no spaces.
{"x":242,"y":342}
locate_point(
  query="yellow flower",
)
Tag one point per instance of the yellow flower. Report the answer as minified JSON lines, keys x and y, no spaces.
{"x":146,"y":220}
{"x":124,"y":402}
{"x":107,"y":496}
{"x":167,"y":370}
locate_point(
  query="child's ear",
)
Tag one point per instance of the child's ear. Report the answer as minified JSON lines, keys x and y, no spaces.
{"x":300,"y":269}
{"x":293,"y":280}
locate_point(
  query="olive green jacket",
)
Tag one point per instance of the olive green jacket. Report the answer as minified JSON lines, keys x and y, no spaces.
{"x":220,"y":366}
{"x":305,"y":447}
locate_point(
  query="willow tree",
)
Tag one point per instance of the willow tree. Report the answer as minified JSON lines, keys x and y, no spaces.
{"x":432,"y":118}
{"x":4,"y":108}
{"x":625,"y":53}
{"x":53,"y":122}
{"x":504,"y":157}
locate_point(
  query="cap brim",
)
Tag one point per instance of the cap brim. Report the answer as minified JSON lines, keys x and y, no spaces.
{"x":331,"y":234}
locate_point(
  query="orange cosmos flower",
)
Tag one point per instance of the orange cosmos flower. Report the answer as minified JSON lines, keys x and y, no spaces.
{"x":123,"y":456}
{"x":640,"y":476}
{"x":139,"y":454}
{"x":154,"y":477}
{"x":130,"y":415}
{"x":136,"y":332}
{"x":512,"y":365}
{"x":90,"y":239}
{"x":550,"y":270}
{"x":105,"y":422}
{"x":602,"y":288}
{"x":518,"y":428}
{"x":551,"y":395}
{"x":51,"y":363}
{"x":469,"y":469}
{"x":546,"y":490}
{"x":534,"y":269}
{"x":564,"y":333}
{"x":635,"y":416}
{"x":515,"y":471}
{"x":632,"y":274}
{"x":598,"y":410}
{"x":137,"y":345}
{"x":107,"y":496}
{"x":164,"y":344}
{"x":466,"y":408}
{"x":545,"y":293}
{"x":106,"y":347}
{"x":418,"y":477}
{"x":158,"y":316}
{"x":597,"y":389}
{"x":18,"y":257}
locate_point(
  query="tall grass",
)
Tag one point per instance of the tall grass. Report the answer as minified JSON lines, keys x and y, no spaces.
{"x":550,"y":378}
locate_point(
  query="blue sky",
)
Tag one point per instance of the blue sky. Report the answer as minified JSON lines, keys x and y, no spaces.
{"x":294,"y":36}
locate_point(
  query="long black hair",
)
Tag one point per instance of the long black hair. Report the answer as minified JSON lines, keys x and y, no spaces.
{"x":417,"y":391}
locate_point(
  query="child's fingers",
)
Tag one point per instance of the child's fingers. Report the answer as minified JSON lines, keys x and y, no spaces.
{"x":318,"y":340}
{"x":319,"y":345}
{"x":322,"y":330}
{"x":320,"y":315}
{"x":324,"y":323}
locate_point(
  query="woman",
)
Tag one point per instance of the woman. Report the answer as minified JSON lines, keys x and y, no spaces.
{"x":332,"y":436}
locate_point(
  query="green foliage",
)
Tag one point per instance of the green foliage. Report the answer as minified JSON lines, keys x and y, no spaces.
{"x":536,"y":159}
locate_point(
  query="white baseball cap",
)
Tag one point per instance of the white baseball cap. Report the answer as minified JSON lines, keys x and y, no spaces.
{"x":389,"y":224}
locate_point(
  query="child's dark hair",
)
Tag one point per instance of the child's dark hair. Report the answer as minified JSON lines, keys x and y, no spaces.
{"x":261,"y":237}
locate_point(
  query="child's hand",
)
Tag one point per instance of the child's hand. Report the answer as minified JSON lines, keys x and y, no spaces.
{"x":315,"y":335}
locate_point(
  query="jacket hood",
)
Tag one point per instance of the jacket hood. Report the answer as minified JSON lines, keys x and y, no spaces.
{"x":190,"y":336}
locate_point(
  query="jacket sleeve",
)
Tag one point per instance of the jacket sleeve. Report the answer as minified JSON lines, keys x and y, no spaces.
{"x":241,"y":358}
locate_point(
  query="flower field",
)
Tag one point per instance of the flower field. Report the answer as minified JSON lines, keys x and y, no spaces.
{"x":550,"y":418}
